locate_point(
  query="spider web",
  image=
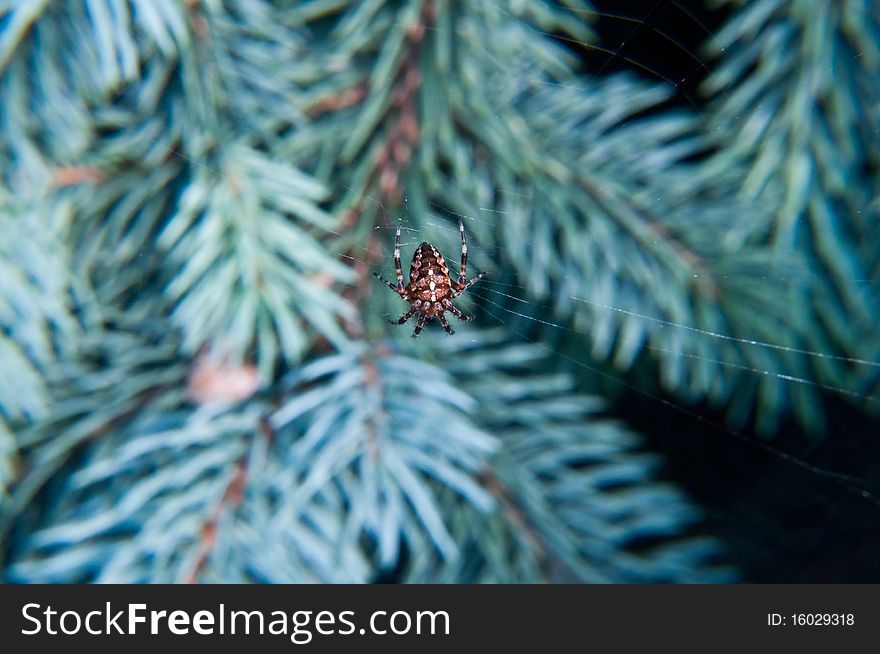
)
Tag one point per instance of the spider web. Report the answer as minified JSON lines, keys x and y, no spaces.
{"x":744,"y":481}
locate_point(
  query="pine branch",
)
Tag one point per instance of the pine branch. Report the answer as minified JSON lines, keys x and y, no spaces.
{"x":248,"y":273}
{"x":118,"y":374}
{"x":215,"y":494}
{"x":572,"y":177}
{"x":197,"y":480}
{"x":60,"y":61}
{"x":382,"y":432}
{"x":602,"y":207}
{"x":575,"y":499}
{"x":36,"y":327}
{"x":795,"y":98}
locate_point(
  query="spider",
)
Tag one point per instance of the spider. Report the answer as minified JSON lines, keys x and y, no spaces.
{"x":431,"y":289}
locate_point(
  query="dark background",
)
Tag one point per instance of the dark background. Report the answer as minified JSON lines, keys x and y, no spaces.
{"x":781,"y":522}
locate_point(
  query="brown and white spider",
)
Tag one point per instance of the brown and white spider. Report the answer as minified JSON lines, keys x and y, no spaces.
{"x":431,"y":289}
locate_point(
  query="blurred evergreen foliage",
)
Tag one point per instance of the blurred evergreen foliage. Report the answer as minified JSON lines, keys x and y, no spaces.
{"x":197,"y":377}
{"x":796,"y":117}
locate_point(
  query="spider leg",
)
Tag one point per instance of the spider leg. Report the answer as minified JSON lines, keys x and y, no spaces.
{"x":462,"y":270}
{"x":458,"y":314}
{"x":421,"y":323}
{"x":404,"y":317}
{"x":396,"y":289}
{"x":399,"y":287}
{"x":397,"y":258}
{"x":442,"y":318}
{"x":464,"y":287}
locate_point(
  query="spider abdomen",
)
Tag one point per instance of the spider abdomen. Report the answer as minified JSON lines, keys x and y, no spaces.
{"x":429,"y":275}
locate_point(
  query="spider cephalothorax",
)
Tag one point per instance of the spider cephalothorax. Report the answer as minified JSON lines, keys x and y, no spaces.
{"x":431,"y":289}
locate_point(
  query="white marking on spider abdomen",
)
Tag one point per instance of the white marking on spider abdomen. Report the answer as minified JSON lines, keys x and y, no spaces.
{"x":432,"y":285}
